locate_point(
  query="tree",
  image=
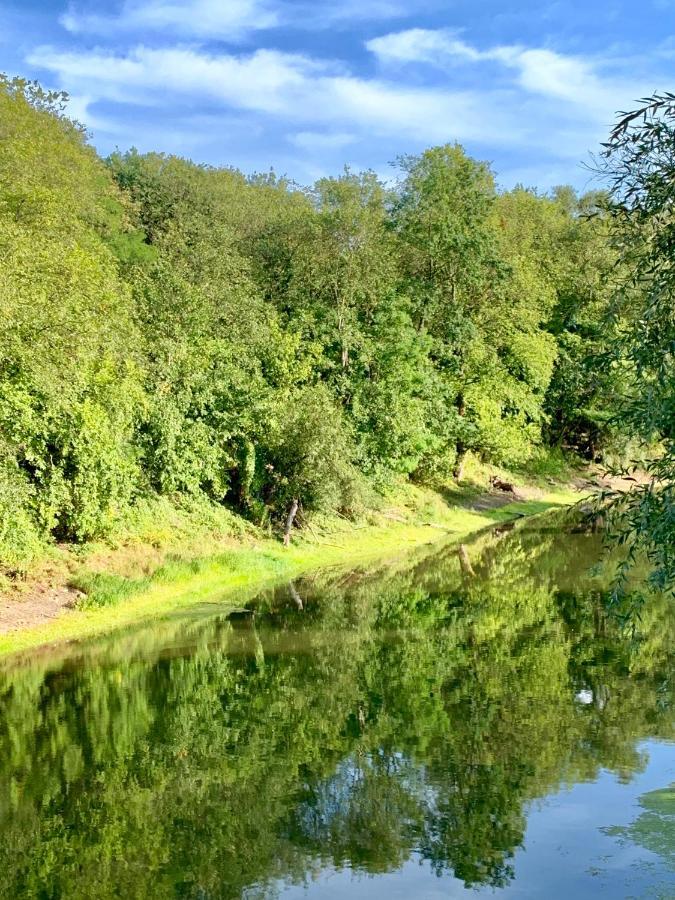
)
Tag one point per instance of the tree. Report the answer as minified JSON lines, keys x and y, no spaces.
{"x":69,"y":386}
{"x":583,"y":393}
{"x":638,"y":163}
{"x":471,"y":261}
{"x":449,"y":263}
{"x":178,"y":330}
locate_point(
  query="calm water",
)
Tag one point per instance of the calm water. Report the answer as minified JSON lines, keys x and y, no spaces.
{"x":459,"y":723}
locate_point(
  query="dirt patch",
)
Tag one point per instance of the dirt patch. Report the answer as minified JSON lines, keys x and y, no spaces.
{"x":40,"y":604}
{"x":593,"y":481}
{"x":597,"y":480}
{"x":46,"y":595}
{"x":495,"y":499}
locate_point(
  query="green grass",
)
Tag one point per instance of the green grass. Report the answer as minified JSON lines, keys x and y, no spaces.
{"x":532,"y":507}
{"x":115,"y":599}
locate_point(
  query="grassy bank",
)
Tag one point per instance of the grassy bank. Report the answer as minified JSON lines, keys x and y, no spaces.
{"x":176,"y":564}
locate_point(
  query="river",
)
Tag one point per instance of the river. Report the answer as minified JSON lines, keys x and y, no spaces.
{"x":455,"y":722}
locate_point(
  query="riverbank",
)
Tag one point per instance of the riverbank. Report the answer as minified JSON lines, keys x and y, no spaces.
{"x":100,"y":588}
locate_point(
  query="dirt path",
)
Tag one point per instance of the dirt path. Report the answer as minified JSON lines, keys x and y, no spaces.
{"x":495,"y":499}
{"x":594,"y":482}
{"x":600,"y":481}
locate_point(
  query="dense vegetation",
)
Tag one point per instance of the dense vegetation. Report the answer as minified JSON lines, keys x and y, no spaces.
{"x":417,"y":711}
{"x":170,"y":329}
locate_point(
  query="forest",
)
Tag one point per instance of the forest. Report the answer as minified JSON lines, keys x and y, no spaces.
{"x":179,"y":331}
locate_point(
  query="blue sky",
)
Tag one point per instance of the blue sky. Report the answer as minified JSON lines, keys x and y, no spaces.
{"x":308,"y":87}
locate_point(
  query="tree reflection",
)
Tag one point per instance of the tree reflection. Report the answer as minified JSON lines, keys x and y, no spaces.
{"x":417,"y":709}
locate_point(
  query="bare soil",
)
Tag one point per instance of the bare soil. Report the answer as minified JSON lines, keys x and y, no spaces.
{"x":40,"y":603}
{"x":594,"y":480}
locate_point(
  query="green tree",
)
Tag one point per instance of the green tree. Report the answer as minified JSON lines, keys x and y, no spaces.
{"x":639,"y":164}
{"x":69,"y":386}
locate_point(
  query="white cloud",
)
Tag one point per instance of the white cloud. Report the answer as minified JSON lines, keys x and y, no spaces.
{"x":79,"y":108}
{"x":265,"y":81}
{"x":568,"y":78}
{"x":296,"y":88}
{"x":226,"y":19}
{"x":437,"y":47}
{"x":538,"y":71}
{"x":527,"y":101}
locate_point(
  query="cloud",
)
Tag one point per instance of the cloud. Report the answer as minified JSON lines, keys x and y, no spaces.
{"x":79,"y":108}
{"x":228,"y":20}
{"x":292,"y":87}
{"x":505,"y":99}
{"x":538,"y":71}
{"x":422,"y":45}
{"x":568,"y":78}
{"x":224,"y":19}
{"x":266,"y":81}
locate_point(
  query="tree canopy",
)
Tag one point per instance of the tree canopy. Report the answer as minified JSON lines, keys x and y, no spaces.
{"x":179,"y":330}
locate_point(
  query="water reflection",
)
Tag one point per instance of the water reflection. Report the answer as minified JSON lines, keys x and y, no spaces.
{"x":357,"y":720}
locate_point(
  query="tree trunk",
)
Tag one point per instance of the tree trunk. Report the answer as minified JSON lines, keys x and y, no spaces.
{"x":464,"y":561}
{"x":289,"y":521}
{"x":295,"y":595}
{"x":458,"y":470}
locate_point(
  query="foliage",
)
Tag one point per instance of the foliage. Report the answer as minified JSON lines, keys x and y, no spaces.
{"x":178,"y":331}
{"x":69,"y":391}
{"x":639,"y":163}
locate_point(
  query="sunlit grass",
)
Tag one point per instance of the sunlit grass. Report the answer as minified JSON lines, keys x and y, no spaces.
{"x":114,"y":599}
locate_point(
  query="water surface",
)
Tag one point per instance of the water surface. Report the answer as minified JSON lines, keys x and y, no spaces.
{"x":458,"y":722}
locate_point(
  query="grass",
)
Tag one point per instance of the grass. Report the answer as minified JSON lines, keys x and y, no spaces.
{"x":168,"y":561}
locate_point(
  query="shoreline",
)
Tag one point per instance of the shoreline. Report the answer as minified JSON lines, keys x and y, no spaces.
{"x":222,"y":576}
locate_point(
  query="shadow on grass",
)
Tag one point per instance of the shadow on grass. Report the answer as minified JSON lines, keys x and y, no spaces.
{"x":522,"y":508}
{"x":461,"y":495}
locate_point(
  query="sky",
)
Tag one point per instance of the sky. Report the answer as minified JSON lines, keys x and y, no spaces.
{"x":308,"y":87}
